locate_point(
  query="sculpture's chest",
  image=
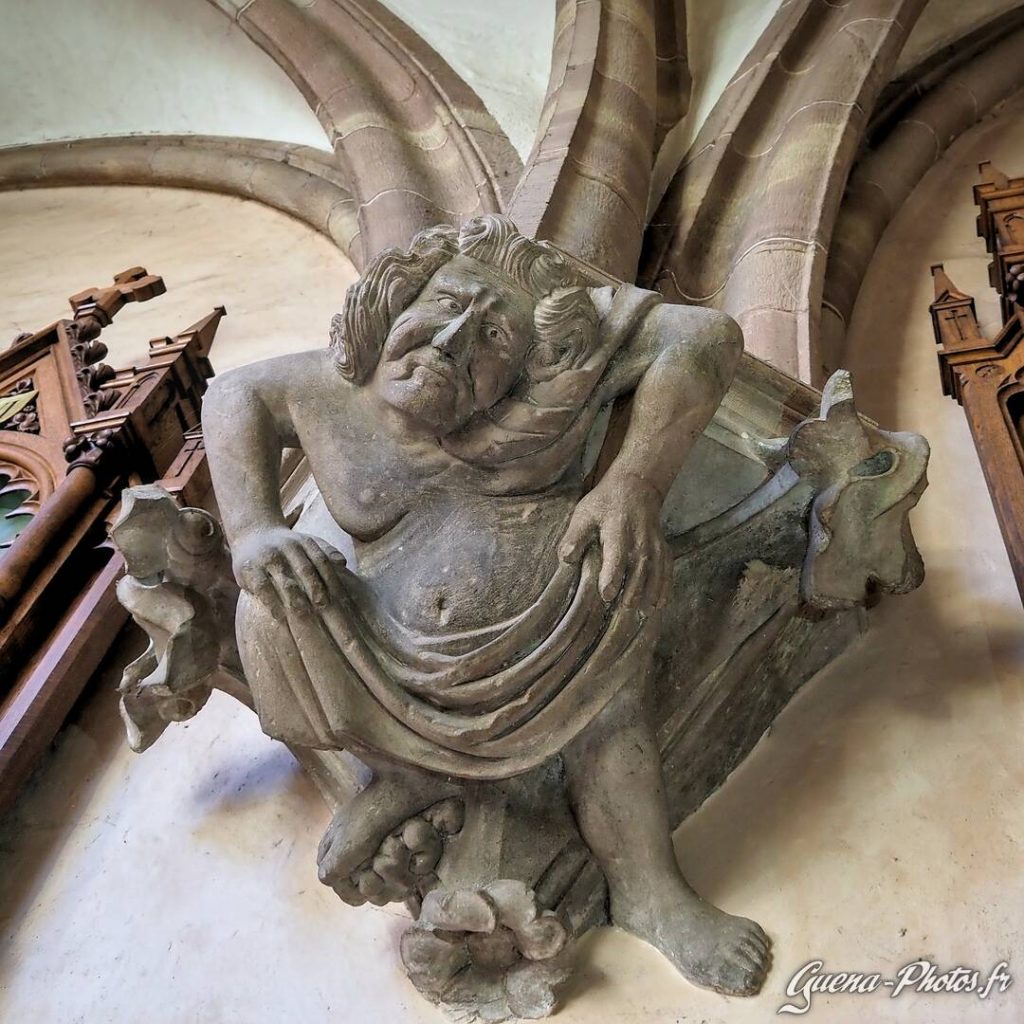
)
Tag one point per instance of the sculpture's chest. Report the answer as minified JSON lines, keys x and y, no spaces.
{"x":459,"y":562}
{"x":438,"y":554}
{"x":367,"y":480}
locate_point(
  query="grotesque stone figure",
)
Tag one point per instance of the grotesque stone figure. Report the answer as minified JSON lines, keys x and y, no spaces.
{"x":508,"y":641}
{"x":496,"y":614}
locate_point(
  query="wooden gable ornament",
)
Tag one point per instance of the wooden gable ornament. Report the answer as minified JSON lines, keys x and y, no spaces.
{"x":986,"y":377}
{"x":73,"y":432}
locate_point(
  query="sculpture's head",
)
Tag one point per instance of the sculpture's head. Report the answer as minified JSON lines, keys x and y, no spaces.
{"x":446,"y":328}
{"x":867,"y":480}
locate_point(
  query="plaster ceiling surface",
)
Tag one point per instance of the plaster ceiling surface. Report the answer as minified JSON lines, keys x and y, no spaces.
{"x":719,"y":35}
{"x":500,"y":48}
{"x":70,"y":69}
{"x":944,"y":21}
{"x":73,"y":69}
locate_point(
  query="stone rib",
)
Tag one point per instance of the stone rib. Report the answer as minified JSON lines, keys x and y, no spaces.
{"x":674,"y":81}
{"x":768,"y":164}
{"x":586,"y":183}
{"x":888,"y":173}
{"x":297,"y":180}
{"x":403,"y":124}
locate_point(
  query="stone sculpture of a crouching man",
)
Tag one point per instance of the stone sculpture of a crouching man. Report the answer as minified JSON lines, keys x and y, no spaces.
{"x":495,"y":614}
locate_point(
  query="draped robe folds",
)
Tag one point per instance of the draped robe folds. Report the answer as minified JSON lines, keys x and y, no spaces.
{"x":484,"y":703}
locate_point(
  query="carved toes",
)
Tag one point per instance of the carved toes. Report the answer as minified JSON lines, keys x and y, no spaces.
{"x":743,"y":961}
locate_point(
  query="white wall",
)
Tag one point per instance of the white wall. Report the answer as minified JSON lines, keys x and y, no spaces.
{"x":500,"y":48}
{"x":79,"y":68}
{"x":280,"y":280}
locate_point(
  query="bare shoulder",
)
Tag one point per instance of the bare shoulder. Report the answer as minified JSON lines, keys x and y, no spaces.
{"x":281,"y":371}
{"x":282,"y":389}
{"x":703,"y":340}
{"x":281,"y":379}
{"x":697,"y":325}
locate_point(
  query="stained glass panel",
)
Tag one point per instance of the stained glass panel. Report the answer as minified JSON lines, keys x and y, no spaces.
{"x":12,"y":522}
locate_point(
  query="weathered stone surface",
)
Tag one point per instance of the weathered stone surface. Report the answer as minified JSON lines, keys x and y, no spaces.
{"x":901,"y":151}
{"x":490,"y":953}
{"x":585,"y":185}
{"x":542,"y":677}
{"x":745,"y":224}
{"x":295,"y":179}
{"x":415,"y":143}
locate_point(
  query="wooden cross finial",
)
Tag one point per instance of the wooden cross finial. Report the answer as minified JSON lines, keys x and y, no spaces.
{"x":135,"y":284}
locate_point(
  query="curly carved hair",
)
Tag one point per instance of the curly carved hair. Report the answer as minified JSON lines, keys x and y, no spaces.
{"x":564,"y":319}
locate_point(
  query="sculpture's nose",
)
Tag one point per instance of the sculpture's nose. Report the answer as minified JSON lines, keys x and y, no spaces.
{"x":453,"y":338}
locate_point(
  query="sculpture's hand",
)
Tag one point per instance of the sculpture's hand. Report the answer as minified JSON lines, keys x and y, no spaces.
{"x":285,"y":569}
{"x":623,"y":514}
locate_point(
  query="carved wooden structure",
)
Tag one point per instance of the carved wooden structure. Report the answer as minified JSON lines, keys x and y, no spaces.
{"x":987,"y":376}
{"x":73,"y":432}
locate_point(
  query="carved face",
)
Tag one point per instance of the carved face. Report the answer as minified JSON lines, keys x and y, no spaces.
{"x":458,"y":348}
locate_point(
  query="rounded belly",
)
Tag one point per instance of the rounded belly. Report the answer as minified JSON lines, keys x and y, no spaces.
{"x":451,"y":566}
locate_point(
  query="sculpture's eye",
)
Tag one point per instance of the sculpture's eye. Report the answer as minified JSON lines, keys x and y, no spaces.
{"x":449,"y":304}
{"x":877,"y":464}
{"x":493,"y":333}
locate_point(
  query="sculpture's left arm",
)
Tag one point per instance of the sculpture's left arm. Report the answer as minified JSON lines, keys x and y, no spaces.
{"x":680,"y":361}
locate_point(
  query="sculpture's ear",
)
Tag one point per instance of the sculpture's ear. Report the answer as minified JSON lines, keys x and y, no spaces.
{"x":837,"y":394}
{"x":822,"y":449}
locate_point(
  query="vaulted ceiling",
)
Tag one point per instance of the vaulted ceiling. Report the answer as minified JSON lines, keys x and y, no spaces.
{"x":704,"y":147}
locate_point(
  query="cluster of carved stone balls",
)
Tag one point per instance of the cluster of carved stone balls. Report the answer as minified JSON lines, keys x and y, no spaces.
{"x":1014,"y":282}
{"x":404,"y":864}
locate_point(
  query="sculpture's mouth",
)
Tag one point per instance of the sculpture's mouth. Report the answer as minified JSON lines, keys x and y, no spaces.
{"x":431,"y":365}
{"x":437,"y":370}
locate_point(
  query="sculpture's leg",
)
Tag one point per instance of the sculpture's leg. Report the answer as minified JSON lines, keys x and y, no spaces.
{"x":615,"y":784}
{"x":352,"y":844}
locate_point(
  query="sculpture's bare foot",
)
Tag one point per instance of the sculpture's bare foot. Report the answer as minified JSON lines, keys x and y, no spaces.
{"x":709,"y":947}
{"x":359,"y":837}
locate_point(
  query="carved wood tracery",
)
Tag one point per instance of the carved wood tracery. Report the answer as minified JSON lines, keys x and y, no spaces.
{"x":986,"y":376}
{"x":85,"y":432}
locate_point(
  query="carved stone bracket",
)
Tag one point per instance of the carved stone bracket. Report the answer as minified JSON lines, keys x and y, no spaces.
{"x":496,"y":874}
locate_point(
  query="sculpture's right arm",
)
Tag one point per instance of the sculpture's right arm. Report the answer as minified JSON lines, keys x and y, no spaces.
{"x":247,"y":423}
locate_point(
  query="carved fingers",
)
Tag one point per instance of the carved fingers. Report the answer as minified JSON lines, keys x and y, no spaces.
{"x":582,"y":530}
{"x":616,"y":536}
{"x":286,"y":570}
{"x":648,"y":578}
{"x":622,"y":516}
